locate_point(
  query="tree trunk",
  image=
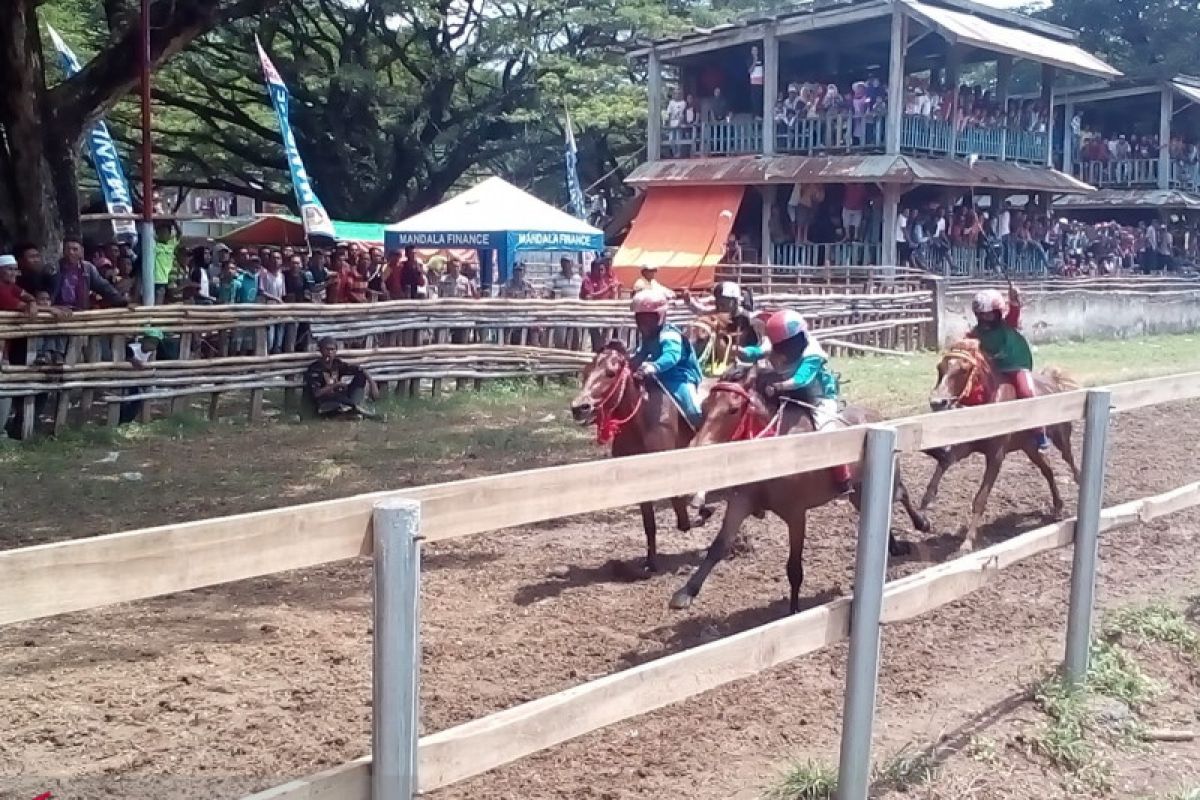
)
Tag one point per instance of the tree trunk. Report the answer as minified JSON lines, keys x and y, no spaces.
{"x":31,"y":186}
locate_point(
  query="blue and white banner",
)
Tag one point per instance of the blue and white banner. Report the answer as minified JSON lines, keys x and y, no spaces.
{"x":508,"y":241}
{"x":312,"y":212}
{"x":105,"y":158}
{"x":574,"y":192}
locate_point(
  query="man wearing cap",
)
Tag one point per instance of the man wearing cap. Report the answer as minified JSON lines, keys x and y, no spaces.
{"x":649,"y":280}
{"x":12,"y":296}
{"x":333,"y":387}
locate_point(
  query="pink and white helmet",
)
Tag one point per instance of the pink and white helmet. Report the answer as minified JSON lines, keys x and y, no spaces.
{"x":987,"y":301}
{"x":651,"y":301}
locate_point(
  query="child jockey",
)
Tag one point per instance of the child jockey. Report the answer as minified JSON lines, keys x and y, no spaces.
{"x":798,"y":357}
{"x":726,"y":299}
{"x":996,"y":331}
{"x":666,"y":354}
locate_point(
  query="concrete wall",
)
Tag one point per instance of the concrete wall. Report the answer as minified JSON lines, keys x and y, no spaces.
{"x":1064,"y":314}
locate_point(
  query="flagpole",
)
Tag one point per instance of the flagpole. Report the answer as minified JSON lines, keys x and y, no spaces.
{"x":146,"y":237}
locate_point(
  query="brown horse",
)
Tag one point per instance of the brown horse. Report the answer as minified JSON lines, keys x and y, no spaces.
{"x":634,"y":418}
{"x":966,"y":377}
{"x":714,"y":337}
{"x":735,"y":411}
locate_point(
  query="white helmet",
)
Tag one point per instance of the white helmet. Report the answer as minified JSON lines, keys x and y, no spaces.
{"x":727,"y":290}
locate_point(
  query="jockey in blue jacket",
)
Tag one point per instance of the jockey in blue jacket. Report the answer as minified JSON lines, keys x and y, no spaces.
{"x":666,"y":354}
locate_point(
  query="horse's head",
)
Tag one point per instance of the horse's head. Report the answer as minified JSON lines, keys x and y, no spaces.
{"x":601,"y":381}
{"x":962,"y":375}
{"x":733,"y":410}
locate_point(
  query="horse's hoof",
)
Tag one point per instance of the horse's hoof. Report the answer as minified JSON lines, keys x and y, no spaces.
{"x":683,"y":525}
{"x":706,"y":513}
{"x":899,"y":549}
{"x":681,"y":600}
{"x":922,"y":524}
{"x":966,"y":548}
{"x":651,"y":565}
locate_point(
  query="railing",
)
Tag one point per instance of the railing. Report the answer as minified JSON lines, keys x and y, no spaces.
{"x":1015,"y":258}
{"x":836,"y":254}
{"x":1126,"y":173}
{"x":714,"y":139}
{"x":846,"y":133}
{"x":837,"y":133}
{"x":42,"y":581}
{"x":408,"y":346}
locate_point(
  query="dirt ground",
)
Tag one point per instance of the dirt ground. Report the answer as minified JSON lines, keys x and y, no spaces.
{"x":219,"y":692}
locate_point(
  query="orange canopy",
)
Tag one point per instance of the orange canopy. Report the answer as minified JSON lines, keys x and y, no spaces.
{"x":682,"y":231}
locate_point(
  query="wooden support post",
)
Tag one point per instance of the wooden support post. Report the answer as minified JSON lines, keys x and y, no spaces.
{"x":936,"y":329}
{"x":180,"y":404}
{"x":214,"y":404}
{"x":768,"y":207}
{"x":891,"y":217}
{"x":88,"y":397}
{"x":1166,"y":111}
{"x":291,"y":395}
{"x":29,"y":401}
{"x":770,"y":56}
{"x":62,"y":407}
{"x":1004,"y":69}
{"x":1048,"y":73}
{"x":1068,"y":138}
{"x":899,"y":47}
{"x":954,"y":59}
{"x":118,"y":357}
{"x":654,"y":117}
{"x":256,"y":395}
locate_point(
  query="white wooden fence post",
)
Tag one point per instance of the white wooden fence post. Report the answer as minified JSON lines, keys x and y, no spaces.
{"x":1087,"y":535}
{"x":396,"y":667}
{"x":870,"y":571}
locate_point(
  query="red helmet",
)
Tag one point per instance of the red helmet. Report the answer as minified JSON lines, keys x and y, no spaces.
{"x":650,"y":301}
{"x":784,"y":325}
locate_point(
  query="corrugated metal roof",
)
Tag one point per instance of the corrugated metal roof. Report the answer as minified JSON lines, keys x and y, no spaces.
{"x":903,"y":170}
{"x":1190,"y":92}
{"x":960,"y":28}
{"x":1131,"y":198}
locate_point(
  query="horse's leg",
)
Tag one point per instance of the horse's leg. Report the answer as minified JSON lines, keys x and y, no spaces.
{"x":683,"y":507}
{"x":1039,"y":460}
{"x":995,"y":459}
{"x":737,"y":508}
{"x":797,"y":524}
{"x":900,"y":495}
{"x":1061,"y":436}
{"x":945,"y":460}
{"x":650,"y":524}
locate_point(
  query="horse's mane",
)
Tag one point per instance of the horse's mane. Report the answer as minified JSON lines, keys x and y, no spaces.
{"x":615,"y":346}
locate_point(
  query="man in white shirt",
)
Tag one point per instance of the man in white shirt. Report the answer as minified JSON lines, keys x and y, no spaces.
{"x":903,"y":251}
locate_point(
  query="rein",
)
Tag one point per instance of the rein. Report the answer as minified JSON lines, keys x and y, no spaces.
{"x":608,"y":426}
{"x":748,"y":427}
{"x":975,"y":392}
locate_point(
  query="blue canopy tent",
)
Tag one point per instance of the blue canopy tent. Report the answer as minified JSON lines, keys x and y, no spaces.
{"x":495,"y":216}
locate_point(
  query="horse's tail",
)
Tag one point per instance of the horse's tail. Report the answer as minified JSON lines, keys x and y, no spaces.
{"x":1061,"y":379}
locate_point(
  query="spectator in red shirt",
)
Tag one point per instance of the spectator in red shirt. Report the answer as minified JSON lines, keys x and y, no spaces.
{"x":349,"y":286}
{"x":598,"y":284}
{"x":854,"y":203}
{"x":12,"y":296}
{"x":411,"y":275}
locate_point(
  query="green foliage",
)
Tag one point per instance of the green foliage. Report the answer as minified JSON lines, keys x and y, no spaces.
{"x":1144,"y":39}
{"x":1157,"y":623}
{"x":804,"y":780}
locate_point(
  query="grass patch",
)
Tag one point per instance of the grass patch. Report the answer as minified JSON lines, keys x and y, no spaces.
{"x":906,"y":769}
{"x":804,"y":780}
{"x":1065,"y":739}
{"x":1154,"y":623}
{"x":1184,"y":794}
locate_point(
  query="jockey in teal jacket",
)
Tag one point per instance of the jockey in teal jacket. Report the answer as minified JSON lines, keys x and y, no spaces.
{"x":666,"y":354}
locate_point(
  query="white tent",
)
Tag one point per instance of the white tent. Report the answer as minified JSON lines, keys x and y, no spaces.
{"x":495,"y":215}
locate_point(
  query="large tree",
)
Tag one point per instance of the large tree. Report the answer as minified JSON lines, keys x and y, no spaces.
{"x":1143,"y":38}
{"x":43,"y":125}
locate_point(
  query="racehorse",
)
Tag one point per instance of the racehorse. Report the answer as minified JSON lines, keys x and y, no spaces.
{"x":634,"y":418}
{"x":714,"y":338}
{"x":966,"y":377}
{"x":736,"y":411}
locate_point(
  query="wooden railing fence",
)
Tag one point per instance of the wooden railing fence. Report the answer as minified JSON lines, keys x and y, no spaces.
{"x":407,"y":346}
{"x":45,"y":580}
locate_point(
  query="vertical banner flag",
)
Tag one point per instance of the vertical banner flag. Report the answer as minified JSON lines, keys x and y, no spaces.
{"x":574,"y":192}
{"x":104,"y":155}
{"x":312,"y":213}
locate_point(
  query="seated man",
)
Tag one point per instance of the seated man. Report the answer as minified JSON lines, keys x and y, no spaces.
{"x":332,"y":387}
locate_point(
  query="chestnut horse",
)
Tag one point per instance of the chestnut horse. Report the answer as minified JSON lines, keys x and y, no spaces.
{"x":714,"y":337}
{"x":634,"y":418}
{"x":966,"y":377}
{"x":735,"y":411}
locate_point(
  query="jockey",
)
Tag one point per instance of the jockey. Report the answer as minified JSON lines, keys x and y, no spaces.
{"x":797,"y":355}
{"x":727,"y":299}
{"x":666,"y":354}
{"x":996,"y":331}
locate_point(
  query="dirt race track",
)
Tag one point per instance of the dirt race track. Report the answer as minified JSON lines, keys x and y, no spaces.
{"x":218,"y":692}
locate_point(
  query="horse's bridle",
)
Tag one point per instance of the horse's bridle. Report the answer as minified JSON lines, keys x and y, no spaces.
{"x":607,"y":425}
{"x":974,"y":385}
{"x":748,"y":426}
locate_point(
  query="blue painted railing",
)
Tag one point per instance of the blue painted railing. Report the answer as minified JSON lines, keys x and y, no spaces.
{"x":850,"y":134}
{"x":1025,"y":260}
{"x":840,"y":254}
